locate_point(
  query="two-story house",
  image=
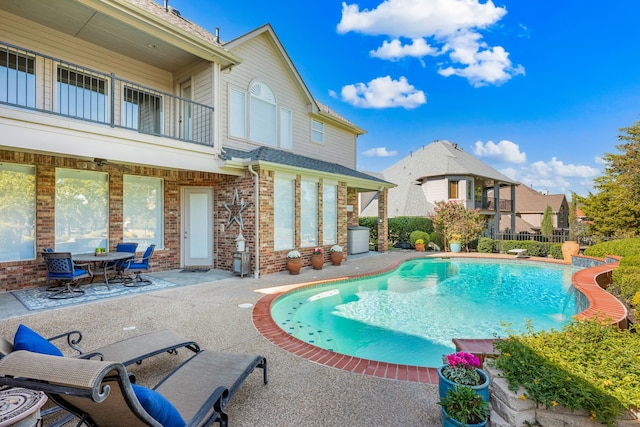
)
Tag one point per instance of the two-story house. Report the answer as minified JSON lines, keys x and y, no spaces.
{"x":443,"y":171}
{"x":120,"y":120}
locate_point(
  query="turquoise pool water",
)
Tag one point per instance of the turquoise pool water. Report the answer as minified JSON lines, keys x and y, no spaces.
{"x":411,"y":314}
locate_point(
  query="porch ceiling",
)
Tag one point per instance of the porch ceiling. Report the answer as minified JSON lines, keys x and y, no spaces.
{"x":119,"y":27}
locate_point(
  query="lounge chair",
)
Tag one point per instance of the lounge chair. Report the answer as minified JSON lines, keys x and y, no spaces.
{"x":100,"y":393}
{"x":127,"y":351}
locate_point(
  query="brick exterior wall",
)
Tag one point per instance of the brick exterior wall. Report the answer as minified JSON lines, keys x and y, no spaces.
{"x":27,"y":274}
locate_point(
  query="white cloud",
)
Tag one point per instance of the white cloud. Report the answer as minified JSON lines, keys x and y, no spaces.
{"x":383,"y":92}
{"x":395,"y":50}
{"x":379,"y":152}
{"x":436,"y":27}
{"x":555,"y":176}
{"x":599,"y":160}
{"x":333,"y":94}
{"x":504,"y":151}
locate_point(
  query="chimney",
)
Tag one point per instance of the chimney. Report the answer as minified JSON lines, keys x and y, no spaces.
{"x":218,"y":35}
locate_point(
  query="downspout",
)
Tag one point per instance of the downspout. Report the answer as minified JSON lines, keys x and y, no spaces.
{"x":256,"y":193}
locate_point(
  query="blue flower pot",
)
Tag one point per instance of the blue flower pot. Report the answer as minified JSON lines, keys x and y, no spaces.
{"x":483,"y":389}
{"x":447,"y":421}
{"x":455,"y":247}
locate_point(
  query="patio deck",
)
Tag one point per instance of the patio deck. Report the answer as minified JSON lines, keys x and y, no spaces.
{"x":212,"y":309}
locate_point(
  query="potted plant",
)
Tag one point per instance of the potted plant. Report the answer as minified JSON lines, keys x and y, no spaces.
{"x":462,"y":406}
{"x":336,"y":254}
{"x":419,"y":245}
{"x":317,"y":258}
{"x":294,"y":262}
{"x":455,"y":244}
{"x":463,"y":368}
{"x":101,"y":252}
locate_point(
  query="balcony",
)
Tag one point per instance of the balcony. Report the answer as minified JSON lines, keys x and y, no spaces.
{"x":488,"y":203}
{"x":33,"y":81}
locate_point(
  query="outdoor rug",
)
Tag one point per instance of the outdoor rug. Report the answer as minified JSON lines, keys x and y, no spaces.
{"x":195,"y":270}
{"x":38,"y":299}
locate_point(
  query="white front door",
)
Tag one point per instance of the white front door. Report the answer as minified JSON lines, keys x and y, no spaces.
{"x":197,"y":226}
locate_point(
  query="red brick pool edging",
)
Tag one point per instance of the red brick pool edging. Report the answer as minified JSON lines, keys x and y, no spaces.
{"x":601,"y":304}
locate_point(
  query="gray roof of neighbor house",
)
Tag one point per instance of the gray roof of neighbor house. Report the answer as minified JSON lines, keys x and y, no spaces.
{"x":442,"y":158}
{"x":285,"y":158}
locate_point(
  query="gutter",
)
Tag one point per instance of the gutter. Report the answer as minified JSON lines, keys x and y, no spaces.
{"x":256,"y":272}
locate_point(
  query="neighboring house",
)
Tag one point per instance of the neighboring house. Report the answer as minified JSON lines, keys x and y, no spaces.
{"x":123,"y":121}
{"x":530,"y":208}
{"x":443,"y":171}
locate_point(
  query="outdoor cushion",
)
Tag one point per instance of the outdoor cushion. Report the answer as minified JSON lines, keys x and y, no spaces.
{"x":27,"y":339}
{"x":158,"y":407}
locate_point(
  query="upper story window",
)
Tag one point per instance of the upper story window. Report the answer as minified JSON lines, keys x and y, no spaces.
{"x":17,"y":78}
{"x":142,"y":111}
{"x":454,"y":188}
{"x":317,"y":131}
{"x":263,"y":114}
{"x":82,"y":94}
{"x":267,"y":124}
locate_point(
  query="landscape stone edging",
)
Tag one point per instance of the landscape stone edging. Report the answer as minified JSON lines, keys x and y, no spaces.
{"x":509,"y":410}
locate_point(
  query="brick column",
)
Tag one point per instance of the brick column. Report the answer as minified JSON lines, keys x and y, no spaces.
{"x":383,"y":222}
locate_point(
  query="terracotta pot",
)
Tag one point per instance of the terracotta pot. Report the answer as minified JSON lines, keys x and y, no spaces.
{"x":294,"y":265}
{"x":317,"y":261}
{"x":570,"y":248}
{"x":336,"y":258}
{"x":420,"y":247}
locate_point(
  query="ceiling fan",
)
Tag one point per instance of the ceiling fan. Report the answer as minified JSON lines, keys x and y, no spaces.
{"x":101,"y":164}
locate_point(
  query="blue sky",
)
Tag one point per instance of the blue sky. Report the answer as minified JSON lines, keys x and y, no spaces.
{"x":536,"y":89}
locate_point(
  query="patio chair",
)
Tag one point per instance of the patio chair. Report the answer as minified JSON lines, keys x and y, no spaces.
{"x":60,"y":267}
{"x":132,"y":266}
{"x":101,"y":394}
{"x":116,"y":267}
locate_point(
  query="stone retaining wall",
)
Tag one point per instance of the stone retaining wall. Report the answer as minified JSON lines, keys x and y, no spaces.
{"x":508,"y":409}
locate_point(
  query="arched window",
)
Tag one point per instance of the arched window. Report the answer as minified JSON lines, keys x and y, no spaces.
{"x":263,"y":116}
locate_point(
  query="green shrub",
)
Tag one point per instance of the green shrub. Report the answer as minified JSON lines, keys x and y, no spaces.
{"x":586,"y":366}
{"x":533,"y":248}
{"x":486,"y":245}
{"x":415,"y":235}
{"x":622,"y":247}
{"x":437,"y":238}
{"x":399,"y":229}
{"x":555,"y":250}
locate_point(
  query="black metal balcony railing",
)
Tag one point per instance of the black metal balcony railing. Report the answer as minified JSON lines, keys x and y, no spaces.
{"x":39,"y":82}
{"x":488,"y":203}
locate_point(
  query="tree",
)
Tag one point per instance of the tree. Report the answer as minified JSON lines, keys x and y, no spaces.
{"x":452,"y":218}
{"x":574,"y":225}
{"x":546,"y":226}
{"x":615,"y":208}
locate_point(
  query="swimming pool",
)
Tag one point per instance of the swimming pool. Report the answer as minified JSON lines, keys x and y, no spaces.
{"x":410,"y":314}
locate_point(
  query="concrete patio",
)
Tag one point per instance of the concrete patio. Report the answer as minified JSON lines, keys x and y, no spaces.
{"x":210,"y":308}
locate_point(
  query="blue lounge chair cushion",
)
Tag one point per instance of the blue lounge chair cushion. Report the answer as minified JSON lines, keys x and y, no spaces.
{"x":158,"y":407}
{"x":28,"y":339}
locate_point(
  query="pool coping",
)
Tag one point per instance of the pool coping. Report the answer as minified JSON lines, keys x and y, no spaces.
{"x":601,"y":305}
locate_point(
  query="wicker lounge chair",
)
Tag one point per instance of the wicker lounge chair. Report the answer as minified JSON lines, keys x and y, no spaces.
{"x":100,"y":393}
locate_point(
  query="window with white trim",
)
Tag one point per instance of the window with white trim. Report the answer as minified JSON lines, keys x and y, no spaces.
{"x":262,"y":123}
{"x":317,"y":131}
{"x":237,"y":113}
{"x":17,"y":212}
{"x":143,"y":220}
{"x":286,"y":128}
{"x":142,"y":111}
{"x":81,"y":94}
{"x":17,"y":78}
{"x":308,"y":213}
{"x":82,"y":210}
{"x":329,"y":213}
{"x":284,"y":212}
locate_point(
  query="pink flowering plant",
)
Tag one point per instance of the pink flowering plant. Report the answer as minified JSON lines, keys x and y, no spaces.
{"x":317,"y":251}
{"x":461,"y":369}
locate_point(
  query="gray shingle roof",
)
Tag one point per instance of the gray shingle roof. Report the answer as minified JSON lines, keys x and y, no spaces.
{"x":273,"y":155}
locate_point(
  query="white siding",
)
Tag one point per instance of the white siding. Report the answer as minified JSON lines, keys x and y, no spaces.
{"x":436,"y":190}
{"x":261,"y":61}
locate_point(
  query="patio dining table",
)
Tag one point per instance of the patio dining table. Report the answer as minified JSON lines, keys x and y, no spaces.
{"x":102,"y":262}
